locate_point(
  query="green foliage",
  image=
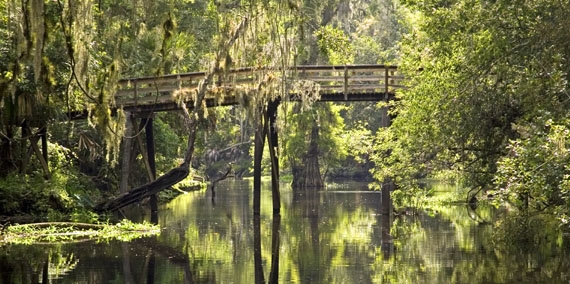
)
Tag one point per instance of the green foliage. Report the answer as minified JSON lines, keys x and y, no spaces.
{"x":87,"y":47}
{"x":335,"y":45}
{"x":297,"y":130}
{"x":56,"y":232}
{"x":66,"y":191}
{"x":167,"y":145}
{"x":519,"y":231}
{"x":358,"y":142}
{"x":479,"y":77}
{"x":535,"y":173}
{"x":367,"y":50}
{"x":429,"y":195}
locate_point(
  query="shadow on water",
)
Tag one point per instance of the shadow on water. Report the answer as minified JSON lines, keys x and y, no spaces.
{"x":344,"y":234}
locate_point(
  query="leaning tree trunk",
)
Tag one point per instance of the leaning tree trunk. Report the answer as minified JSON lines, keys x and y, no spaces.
{"x":177,"y":174}
{"x":309,"y":175}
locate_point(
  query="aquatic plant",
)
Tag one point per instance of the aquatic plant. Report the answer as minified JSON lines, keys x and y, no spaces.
{"x":67,"y":232}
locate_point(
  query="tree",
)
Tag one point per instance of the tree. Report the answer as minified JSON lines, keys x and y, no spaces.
{"x":312,"y":142}
{"x":475,"y":82}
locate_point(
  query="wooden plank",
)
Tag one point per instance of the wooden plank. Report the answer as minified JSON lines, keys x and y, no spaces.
{"x":298,"y":69}
{"x":145,"y":100}
{"x":341,"y":67}
{"x":152,"y":79}
{"x":353,"y":86}
{"x":146,"y":91}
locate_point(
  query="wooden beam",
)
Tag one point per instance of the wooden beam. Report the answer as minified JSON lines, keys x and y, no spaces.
{"x":34,"y":144}
{"x":34,"y":138}
{"x":150,"y":151}
{"x":273,"y":141}
{"x":151,"y":173}
{"x":43,"y":135}
{"x":26,"y":153}
{"x":150,"y":146}
{"x":259,"y":139}
{"x":126,"y":154}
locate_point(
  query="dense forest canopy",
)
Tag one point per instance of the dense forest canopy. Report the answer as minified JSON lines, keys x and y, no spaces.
{"x":62,"y":58}
{"x":486,"y":103}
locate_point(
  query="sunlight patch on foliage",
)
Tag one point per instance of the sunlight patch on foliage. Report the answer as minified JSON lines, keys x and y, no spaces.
{"x":65,"y":232}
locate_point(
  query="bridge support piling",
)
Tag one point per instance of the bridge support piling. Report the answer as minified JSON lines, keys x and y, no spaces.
{"x":151,"y":163}
{"x":126,"y":150}
{"x":386,"y":119}
{"x":43,"y":135}
{"x":265,"y":128}
{"x":270,"y":120}
{"x":259,"y":139}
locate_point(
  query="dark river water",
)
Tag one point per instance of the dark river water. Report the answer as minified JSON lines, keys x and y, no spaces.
{"x":344,"y":234}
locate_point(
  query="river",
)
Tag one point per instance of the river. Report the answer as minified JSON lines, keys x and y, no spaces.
{"x":344,"y":234}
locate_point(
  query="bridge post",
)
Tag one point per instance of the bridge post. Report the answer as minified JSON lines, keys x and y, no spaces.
{"x":258,"y":141}
{"x":150,"y":153}
{"x":386,"y":119}
{"x":386,"y":80}
{"x":270,"y":119}
{"x":345,"y":87}
{"x":126,"y":153}
{"x":43,"y":135}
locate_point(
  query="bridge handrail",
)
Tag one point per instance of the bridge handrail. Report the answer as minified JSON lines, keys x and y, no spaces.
{"x":340,"y":79}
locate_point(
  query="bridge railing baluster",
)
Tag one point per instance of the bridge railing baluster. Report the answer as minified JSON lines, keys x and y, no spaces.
{"x":386,"y":82}
{"x":136,"y":93}
{"x":345,"y":83}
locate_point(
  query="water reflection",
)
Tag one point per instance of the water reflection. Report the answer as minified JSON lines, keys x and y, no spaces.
{"x":344,"y":234}
{"x":258,"y":270}
{"x":275,"y":249}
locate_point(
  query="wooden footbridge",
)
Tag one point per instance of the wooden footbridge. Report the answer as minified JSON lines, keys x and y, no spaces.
{"x":141,"y":97}
{"x":334,"y":83}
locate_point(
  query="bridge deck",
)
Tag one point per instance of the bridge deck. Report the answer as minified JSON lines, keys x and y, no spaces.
{"x":335,"y":83}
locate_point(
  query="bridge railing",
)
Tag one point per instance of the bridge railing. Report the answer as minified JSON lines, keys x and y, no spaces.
{"x":353,"y":79}
{"x":342,"y":80}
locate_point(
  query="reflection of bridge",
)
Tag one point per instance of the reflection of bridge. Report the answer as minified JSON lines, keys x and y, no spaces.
{"x":141,"y":97}
{"x":336,"y":83}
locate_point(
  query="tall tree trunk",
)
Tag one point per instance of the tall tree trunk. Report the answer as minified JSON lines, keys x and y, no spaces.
{"x":309,"y":175}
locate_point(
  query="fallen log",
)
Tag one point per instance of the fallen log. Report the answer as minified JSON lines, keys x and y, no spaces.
{"x":167,"y":180}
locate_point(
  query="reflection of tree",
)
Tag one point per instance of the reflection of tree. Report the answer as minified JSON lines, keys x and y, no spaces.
{"x":333,"y":233}
{"x":174,"y":256}
{"x":129,"y":278}
{"x":35,"y":264}
{"x":212,"y":234}
{"x":275,"y":249}
{"x":309,"y":255}
{"x":449,"y":247}
{"x":323,"y":237}
{"x":95,"y":263}
{"x":386,"y":222}
{"x":258,"y":267}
